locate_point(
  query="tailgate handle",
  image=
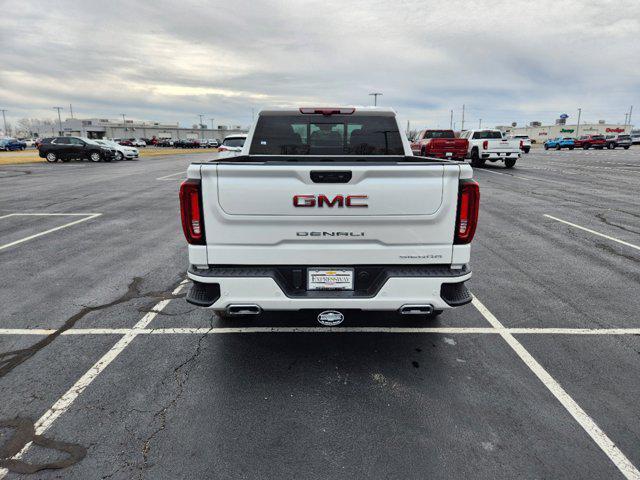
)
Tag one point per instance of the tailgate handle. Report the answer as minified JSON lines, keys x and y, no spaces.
{"x":324,"y":176}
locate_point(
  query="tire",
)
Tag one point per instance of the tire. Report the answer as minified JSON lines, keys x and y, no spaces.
{"x":51,"y":157}
{"x":558,"y":147}
{"x":585,"y":147}
{"x":509,"y":162}
{"x":476,"y":161}
{"x":610,"y":146}
{"x":626,"y":148}
{"x":119,"y":156}
{"x":526,"y":149}
{"x":546,"y":147}
{"x":423,"y":152}
{"x":95,"y":157}
{"x":571,"y":148}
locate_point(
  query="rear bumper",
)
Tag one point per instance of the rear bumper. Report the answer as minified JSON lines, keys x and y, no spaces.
{"x":271,"y":288}
{"x":499,"y":155}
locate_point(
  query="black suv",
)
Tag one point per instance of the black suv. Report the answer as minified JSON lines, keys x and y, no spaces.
{"x":67,"y":148}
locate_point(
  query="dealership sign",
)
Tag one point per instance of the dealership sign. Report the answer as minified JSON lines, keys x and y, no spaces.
{"x":566,"y":130}
{"x":615,"y":130}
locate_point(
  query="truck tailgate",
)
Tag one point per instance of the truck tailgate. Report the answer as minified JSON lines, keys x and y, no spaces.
{"x":251,"y":217}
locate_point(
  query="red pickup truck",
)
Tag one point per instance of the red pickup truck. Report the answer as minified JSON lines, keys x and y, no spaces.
{"x":440,"y":144}
{"x":589,"y":141}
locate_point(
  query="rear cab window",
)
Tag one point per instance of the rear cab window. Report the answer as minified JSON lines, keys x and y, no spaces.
{"x":439,"y":134}
{"x":488,"y":134}
{"x":316,"y":134}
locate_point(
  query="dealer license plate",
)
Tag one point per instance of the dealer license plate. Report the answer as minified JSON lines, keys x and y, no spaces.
{"x":330,"y":279}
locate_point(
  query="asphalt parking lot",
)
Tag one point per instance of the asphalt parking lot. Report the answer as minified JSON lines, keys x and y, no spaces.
{"x":104,"y":359}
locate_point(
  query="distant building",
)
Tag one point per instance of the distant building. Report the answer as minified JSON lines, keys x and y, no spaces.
{"x":106,"y":128}
{"x":540,"y":133}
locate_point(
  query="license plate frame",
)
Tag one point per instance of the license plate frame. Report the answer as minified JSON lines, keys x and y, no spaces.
{"x":335,"y":279}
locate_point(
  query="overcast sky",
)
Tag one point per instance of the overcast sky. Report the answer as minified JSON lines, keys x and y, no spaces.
{"x":172,"y":60}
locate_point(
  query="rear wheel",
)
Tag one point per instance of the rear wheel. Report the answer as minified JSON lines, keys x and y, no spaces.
{"x":558,"y":147}
{"x":546,"y":147}
{"x":571,"y":148}
{"x":610,"y":146}
{"x":119,"y":156}
{"x":51,"y":157}
{"x":626,"y":148}
{"x":585,"y":147}
{"x":476,"y":161}
{"x":509,"y":162}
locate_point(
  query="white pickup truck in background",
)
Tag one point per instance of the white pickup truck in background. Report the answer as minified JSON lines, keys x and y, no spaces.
{"x":326,"y":209}
{"x":491,"y":145}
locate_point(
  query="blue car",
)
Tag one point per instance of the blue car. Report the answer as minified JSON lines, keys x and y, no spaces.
{"x":559,"y":143}
{"x":9,"y":144}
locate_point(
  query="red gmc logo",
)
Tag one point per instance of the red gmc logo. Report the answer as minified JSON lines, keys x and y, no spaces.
{"x":349,"y":201}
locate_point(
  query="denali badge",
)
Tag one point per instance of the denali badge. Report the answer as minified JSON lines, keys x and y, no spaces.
{"x":330,"y":234}
{"x":329,"y":318}
{"x":349,"y":201}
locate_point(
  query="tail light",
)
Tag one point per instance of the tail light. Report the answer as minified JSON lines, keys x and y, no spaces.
{"x":521,"y":144}
{"x":485,"y":144}
{"x":328,"y":111}
{"x":191,"y":211}
{"x":468,"y":205}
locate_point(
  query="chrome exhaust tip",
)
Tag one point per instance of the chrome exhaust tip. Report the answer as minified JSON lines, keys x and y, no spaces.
{"x":416,"y":309}
{"x":243,"y":310}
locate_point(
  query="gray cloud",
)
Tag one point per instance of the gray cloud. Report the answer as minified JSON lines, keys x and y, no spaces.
{"x":166,"y":60}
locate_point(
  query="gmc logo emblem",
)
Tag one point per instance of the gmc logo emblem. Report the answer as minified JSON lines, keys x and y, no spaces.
{"x":349,"y":201}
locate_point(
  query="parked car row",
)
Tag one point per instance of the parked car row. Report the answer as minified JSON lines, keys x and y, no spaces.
{"x":65,"y":149}
{"x":12,"y":144}
{"x":598,"y":142}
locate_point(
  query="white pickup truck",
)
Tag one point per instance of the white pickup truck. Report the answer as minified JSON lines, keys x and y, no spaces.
{"x":327,"y":210}
{"x":491,"y":145}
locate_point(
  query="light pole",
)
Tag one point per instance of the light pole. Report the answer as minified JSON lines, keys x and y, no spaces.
{"x":375,"y":96}
{"x":630,"y":112}
{"x":480,"y":124}
{"x":578,"y":126}
{"x":201,"y":129}
{"x":211,"y":124}
{"x":59,"y":120}
{"x":124,"y":124}
{"x":451,"y":121}
{"x":5,"y":121}
{"x":462,"y":126}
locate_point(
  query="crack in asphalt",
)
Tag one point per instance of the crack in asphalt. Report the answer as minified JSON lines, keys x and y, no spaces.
{"x":603,"y":219}
{"x":11,"y":359}
{"x":181,"y":379}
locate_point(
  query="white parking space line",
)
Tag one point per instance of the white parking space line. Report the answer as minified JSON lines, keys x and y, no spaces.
{"x":608,"y":237}
{"x":63,"y":404}
{"x":516,"y":176}
{"x":346,"y":329}
{"x":51,"y":230}
{"x":168,"y":177}
{"x":586,"y":422}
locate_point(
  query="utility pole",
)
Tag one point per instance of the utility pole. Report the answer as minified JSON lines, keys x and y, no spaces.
{"x":124,"y":124}
{"x":201,"y":129}
{"x":578,"y":126}
{"x":375,"y":96}
{"x":5,"y":120}
{"x":211,"y":124}
{"x":451,"y":121}
{"x":59,"y":120}
{"x":480,"y":124}
{"x":462,"y":127}
{"x":630,"y":112}
{"x":71,"y":110}
{"x":625,"y":119}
